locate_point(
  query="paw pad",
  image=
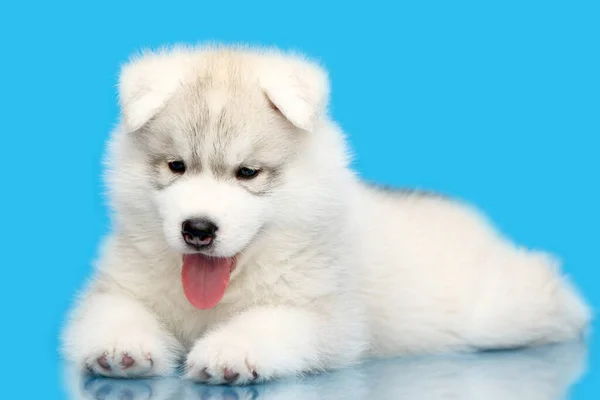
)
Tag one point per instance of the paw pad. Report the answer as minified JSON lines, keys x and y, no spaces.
{"x":230,"y":375}
{"x":127,"y":361}
{"x":121,"y":364}
{"x":226,"y":375}
{"x":103,"y":362}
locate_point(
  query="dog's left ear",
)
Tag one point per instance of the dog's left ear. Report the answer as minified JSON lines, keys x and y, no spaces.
{"x":147,"y":82}
{"x":298,"y":88}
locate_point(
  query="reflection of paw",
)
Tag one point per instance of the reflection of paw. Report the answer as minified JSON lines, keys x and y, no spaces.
{"x":231,"y":359}
{"x":129,"y":354}
{"x":82,"y":386}
{"x":118,"y":389}
{"x":223,"y":393}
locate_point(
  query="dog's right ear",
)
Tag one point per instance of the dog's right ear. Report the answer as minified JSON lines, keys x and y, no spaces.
{"x":297,"y":88}
{"x":146,"y":83}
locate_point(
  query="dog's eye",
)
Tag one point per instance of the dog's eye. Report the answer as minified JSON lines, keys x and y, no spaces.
{"x":177,"y":167}
{"x":247,"y":173}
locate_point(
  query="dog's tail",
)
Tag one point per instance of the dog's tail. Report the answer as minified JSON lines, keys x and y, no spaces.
{"x":529,"y":302}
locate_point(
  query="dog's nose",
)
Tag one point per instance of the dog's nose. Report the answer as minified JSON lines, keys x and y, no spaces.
{"x":198,"y":232}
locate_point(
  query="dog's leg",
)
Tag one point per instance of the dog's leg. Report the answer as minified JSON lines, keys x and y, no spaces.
{"x":269,"y":342}
{"x":114,"y":335}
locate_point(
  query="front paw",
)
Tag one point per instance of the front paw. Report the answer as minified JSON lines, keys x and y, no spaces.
{"x":128,"y":354}
{"x":222,"y":358}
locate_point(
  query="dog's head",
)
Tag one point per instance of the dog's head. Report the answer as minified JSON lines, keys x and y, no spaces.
{"x":212,"y":136}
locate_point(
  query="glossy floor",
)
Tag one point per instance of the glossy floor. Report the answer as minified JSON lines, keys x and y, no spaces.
{"x":551,"y":373}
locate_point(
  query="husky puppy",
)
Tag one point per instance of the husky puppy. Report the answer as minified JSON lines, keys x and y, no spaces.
{"x":243,"y":245}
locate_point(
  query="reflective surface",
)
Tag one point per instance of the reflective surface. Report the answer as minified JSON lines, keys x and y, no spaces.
{"x":533,"y":374}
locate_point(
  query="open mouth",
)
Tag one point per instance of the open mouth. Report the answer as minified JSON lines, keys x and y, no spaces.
{"x":205,"y":278}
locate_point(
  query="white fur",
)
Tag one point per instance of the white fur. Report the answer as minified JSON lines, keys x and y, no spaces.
{"x":329,"y":270}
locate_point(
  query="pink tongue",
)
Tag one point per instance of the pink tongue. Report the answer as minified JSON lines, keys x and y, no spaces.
{"x":205,"y":279}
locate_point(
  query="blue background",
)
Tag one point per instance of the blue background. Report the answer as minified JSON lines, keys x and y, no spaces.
{"x":496,"y":102}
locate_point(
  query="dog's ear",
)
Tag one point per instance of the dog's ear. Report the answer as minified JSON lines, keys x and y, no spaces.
{"x":298,"y":88}
{"x":147,"y":82}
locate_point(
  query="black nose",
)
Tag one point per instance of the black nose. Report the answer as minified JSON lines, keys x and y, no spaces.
{"x":198,"y":232}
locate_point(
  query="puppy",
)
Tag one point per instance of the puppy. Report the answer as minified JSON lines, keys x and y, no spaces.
{"x":243,"y":243}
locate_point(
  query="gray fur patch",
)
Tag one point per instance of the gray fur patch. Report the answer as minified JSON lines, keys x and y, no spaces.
{"x":406,"y":192}
{"x":218,"y":135}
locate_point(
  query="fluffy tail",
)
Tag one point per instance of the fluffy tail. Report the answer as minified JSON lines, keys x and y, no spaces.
{"x":527,"y":301}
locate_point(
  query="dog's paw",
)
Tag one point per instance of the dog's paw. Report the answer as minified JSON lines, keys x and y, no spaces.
{"x":221,"y":358}
{"x":258,"y":345}
{"x":115,"y":336}
{"x":121,"y":362}
{"x":129,"y":354}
